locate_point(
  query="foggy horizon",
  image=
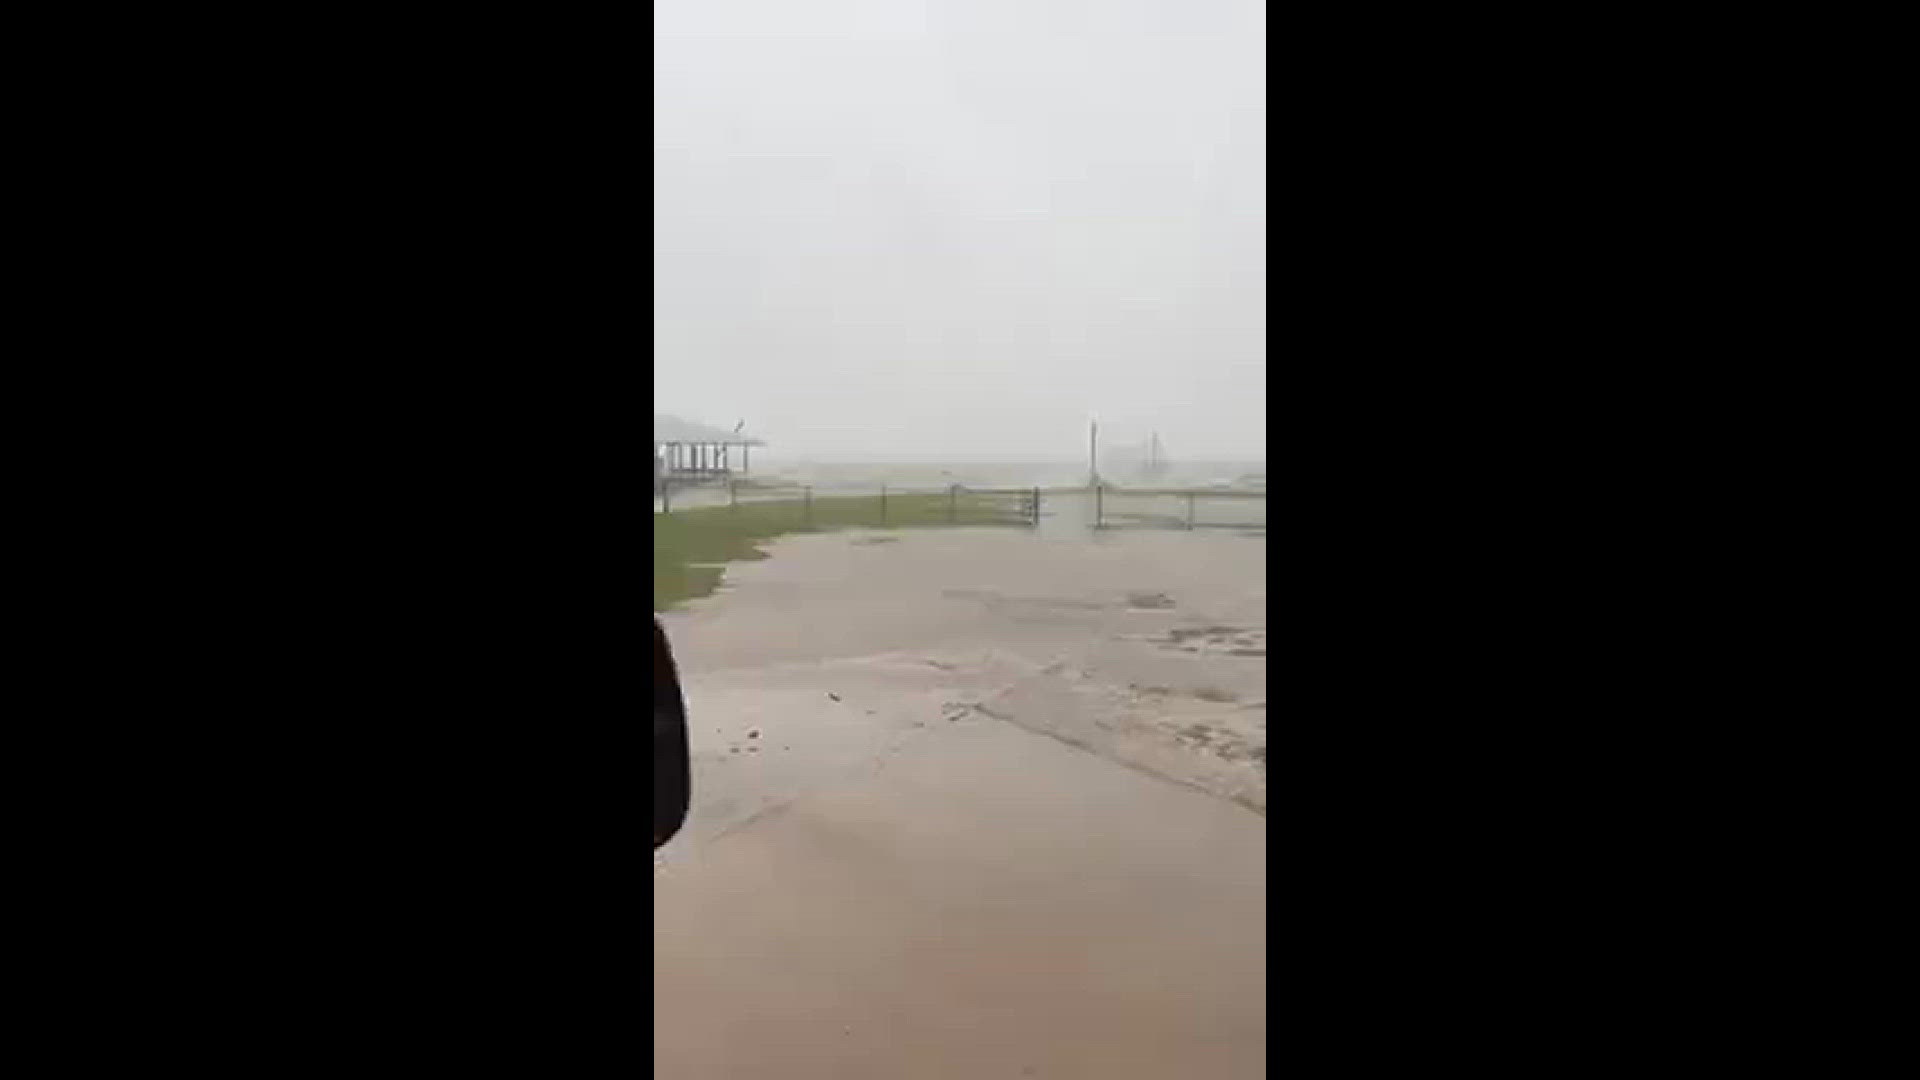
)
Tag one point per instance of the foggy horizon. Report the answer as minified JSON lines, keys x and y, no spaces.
{"x":958,"y":230}
{"x":771,"y":457}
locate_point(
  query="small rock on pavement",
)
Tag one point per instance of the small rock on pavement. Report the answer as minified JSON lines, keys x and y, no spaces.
{"x":754,"y":734}
{"x":833,"y":695}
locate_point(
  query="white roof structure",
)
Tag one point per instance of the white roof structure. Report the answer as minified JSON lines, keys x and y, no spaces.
{"x":672,"y":429}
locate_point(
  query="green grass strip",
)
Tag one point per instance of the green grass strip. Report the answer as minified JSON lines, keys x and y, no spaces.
{"x":689,"y":545}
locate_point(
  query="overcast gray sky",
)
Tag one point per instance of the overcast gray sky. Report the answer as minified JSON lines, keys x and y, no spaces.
{"x":959,"y":228}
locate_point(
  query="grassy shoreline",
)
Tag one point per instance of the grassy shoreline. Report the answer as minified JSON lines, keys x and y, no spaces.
{"x":689,"y":545}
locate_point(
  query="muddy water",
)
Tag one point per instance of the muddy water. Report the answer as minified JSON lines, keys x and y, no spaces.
{"x":971,"y":805}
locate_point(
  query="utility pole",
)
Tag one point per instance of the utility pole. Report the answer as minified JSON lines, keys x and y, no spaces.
{"x":1093,"y":454}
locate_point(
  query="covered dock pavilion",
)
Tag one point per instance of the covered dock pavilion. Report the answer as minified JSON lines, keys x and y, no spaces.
{"x":690,"y":452}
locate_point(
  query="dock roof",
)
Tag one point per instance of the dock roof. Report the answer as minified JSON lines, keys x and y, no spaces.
{"x":672,"y":429}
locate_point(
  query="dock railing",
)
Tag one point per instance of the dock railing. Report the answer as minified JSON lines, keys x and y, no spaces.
{"x":882,"y":506}
{"x":887,"y":505}
{"x":1178,"y":508}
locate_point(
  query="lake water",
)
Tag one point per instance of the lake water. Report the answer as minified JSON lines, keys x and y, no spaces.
{"x":866,"y":478}
{"x":934,"y":475}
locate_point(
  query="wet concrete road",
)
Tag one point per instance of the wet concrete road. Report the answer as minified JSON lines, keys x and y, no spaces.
{"x":889,"y":872}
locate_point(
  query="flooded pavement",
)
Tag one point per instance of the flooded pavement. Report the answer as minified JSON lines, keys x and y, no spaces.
{"x":971,"y":804}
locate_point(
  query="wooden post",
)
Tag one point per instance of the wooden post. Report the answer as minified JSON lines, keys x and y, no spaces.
{"x":666,"y":494}
{"x":1189,"y":509}
{"x":1036,"y":508}
{"x":1099,"y":507}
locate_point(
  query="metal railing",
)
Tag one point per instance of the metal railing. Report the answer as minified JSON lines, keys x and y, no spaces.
{"x":1178,"y":508}
{"x":888,"y":505}
{"x":883,"y":506}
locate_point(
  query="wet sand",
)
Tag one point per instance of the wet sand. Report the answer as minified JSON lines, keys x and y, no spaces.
{"x":971,"y":804}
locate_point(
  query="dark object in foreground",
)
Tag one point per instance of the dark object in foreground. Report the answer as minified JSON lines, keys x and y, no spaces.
{"x":672,"y":777}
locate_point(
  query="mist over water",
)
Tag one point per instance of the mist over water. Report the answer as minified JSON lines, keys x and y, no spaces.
{"x":926,"y":243}
{"x":951,"y":232}
{"x":868,"y":476}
